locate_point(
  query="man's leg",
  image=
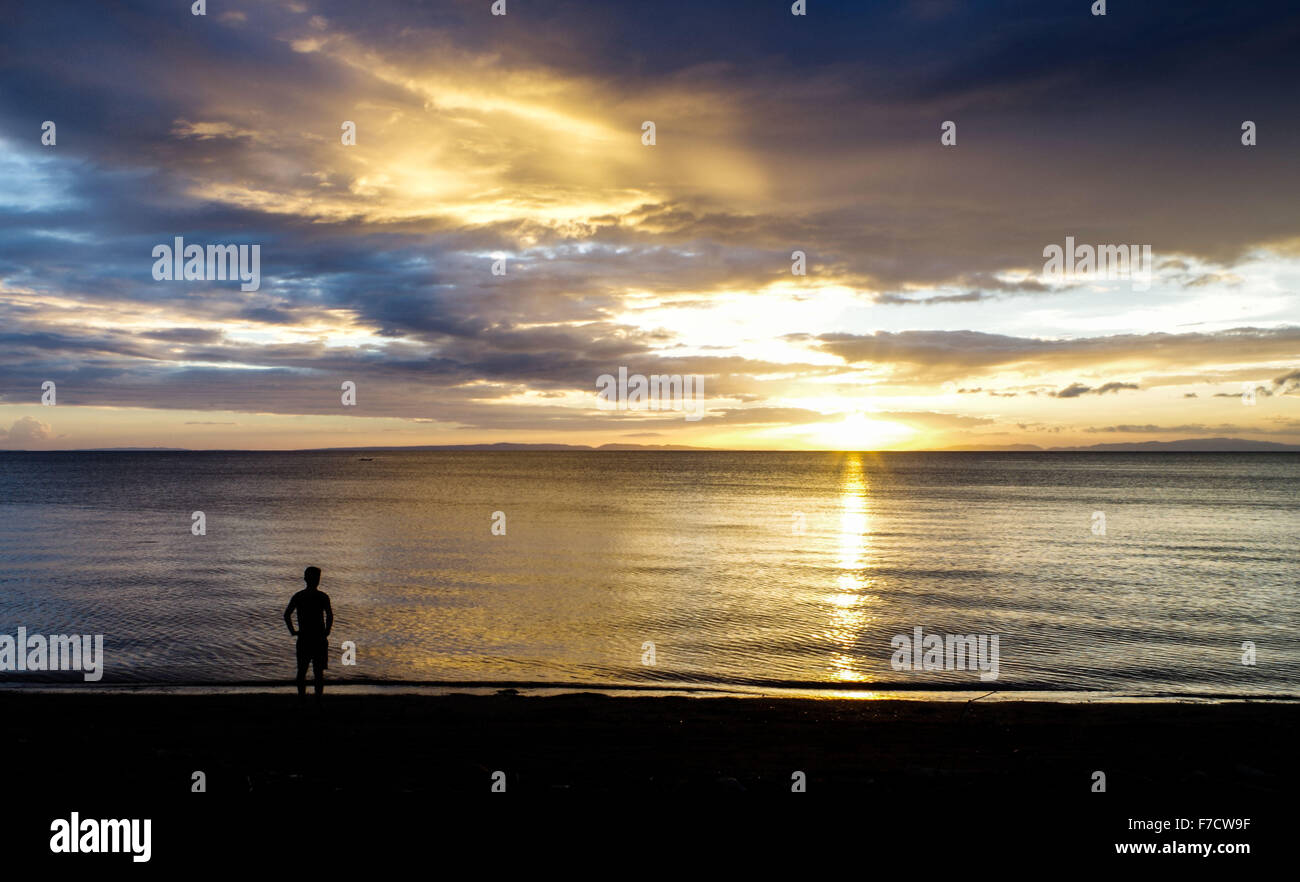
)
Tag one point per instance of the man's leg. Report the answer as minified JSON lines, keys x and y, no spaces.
{"x":303,"y":661}
{"x":318,"y":669}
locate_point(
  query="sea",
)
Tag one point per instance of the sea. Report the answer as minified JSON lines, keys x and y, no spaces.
{"x":1169,"y":574}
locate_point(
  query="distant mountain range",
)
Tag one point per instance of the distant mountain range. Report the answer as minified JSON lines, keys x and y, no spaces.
{"x":507,"y":445}
{"x":500,"y":445}
{"x":1186,"y":445}
{"x":112,"y":450}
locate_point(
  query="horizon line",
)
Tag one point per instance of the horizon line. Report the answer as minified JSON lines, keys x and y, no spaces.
{"x":1249,"y":446}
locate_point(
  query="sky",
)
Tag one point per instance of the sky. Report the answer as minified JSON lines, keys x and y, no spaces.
{"x":925,"y":317}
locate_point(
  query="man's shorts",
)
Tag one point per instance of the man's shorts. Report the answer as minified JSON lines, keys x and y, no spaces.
{"x":315,"y":651}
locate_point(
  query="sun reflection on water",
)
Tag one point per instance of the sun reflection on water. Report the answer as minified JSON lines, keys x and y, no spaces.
{"x":850,"y":604}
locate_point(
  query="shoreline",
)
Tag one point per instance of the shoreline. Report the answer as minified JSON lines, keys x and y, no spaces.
{"x":712,"y":691}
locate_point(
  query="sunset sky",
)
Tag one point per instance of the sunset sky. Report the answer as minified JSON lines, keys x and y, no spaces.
{"x":924,"y":320}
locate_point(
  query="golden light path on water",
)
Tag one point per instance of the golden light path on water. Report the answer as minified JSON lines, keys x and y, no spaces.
{"x":851,"y":602}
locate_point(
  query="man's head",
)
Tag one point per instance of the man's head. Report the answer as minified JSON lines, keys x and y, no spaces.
{"x":312,"y":576}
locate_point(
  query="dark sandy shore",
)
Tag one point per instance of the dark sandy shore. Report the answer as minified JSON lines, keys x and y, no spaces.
{"x":584,"y":743}
{"x":639,"y":777}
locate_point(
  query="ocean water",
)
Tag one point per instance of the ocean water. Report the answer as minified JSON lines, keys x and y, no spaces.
{"x":742,"y":569}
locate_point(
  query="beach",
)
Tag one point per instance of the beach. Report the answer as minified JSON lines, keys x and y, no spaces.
{"x":266,"y":744}
{"x":589,"y":777}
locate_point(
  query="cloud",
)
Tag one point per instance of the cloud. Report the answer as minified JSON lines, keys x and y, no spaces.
{"x":520,"y":135}
{"x":1260,"y":391}
{"x":27,"y":432}
{"x":1287,"y":384}
{"x":1074,"y":390}
{"x":766,"y":415}
{"x":941,"y":355}
{"x":932,"y":420}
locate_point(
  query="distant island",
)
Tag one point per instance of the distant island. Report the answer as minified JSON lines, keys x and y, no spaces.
{"x":1186,"y":445}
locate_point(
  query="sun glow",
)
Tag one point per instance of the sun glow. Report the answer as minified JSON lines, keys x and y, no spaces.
{"x":858,"y":432}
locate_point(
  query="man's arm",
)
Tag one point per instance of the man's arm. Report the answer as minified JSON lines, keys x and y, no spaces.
{"x":329,"y":615}
{"x":288,"y":614}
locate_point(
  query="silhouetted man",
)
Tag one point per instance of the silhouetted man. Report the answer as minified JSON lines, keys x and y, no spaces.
{"x":315,"y":619}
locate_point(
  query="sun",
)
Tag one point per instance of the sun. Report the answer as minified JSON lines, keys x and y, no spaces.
{"x":858,"y":432}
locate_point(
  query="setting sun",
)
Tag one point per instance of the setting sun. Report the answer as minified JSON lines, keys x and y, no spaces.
{"x":858,"y":432}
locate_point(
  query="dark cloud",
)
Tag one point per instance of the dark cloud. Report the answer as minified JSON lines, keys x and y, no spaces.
{"x":1287,"y":384}
{"x":1260,"y":392}
{"x":941,"y":353}
{"x":185,"y":335}
{"x":1074,"y":390}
